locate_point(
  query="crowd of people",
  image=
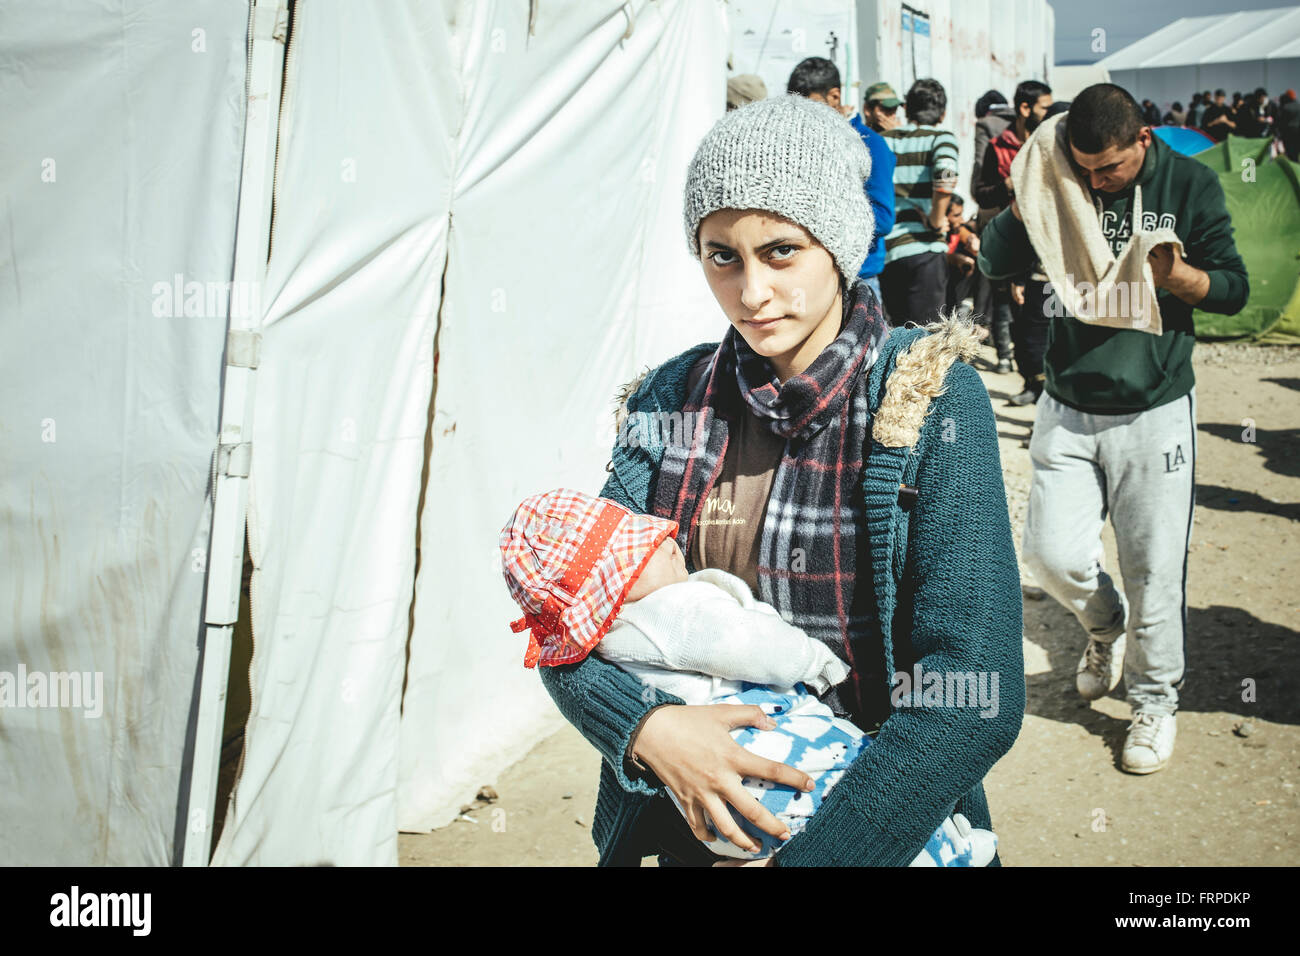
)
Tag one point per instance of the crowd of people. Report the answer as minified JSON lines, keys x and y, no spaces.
{"x":1253,"y":115}
{"x":938,"y":253}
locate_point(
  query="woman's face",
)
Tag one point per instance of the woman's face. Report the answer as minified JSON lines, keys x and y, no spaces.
{"x":777,"y":285}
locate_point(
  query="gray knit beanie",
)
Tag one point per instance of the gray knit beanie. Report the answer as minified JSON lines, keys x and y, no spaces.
{"x":792,"y":156}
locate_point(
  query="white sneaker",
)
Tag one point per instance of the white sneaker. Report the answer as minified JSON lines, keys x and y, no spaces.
{"x":1100,"y":668}
{"x":1150,"y":742}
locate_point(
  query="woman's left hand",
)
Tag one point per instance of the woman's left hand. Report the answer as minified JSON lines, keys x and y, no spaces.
{"x":767,"y":861}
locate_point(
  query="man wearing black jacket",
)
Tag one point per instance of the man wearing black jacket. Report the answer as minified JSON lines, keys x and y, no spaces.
{"x":1218,"y":121}
{"x":994,"y":191}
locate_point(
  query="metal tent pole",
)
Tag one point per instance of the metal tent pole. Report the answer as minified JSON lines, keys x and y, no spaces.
{"x":268,"y":28}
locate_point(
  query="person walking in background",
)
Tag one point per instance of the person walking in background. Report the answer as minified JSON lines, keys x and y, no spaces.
{"x":819,"y":79}
{"x":1267,"y":108}
{"x":993,"y":114}
{"x":880,"y":190}
{"x":1217,"y":121}
{"x":993,"y":192}
{"x":880,"y":107}
{"x":1176,"y":116}
{"x":1194,"y":111}
{"x":744,"y":88}
{"x":1116,"y":427}
{"x":915,"y":277}
{"x":1288,"y":125}
{"x":963,"y":247}
{"x":1028,"y":320}
{"x":1254,"y":118}
{"x":1037,"y":308}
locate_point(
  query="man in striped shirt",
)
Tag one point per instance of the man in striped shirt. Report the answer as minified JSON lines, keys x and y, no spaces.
{"x":915,"y":278}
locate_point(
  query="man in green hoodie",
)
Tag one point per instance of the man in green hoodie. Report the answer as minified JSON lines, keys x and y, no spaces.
{"x":1116,"y":427}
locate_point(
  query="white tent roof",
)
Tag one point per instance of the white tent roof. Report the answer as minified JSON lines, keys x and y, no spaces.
{"x":1223,"y":38}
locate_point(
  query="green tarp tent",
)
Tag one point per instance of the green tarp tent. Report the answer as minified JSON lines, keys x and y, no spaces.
{"x":1263,"y":195}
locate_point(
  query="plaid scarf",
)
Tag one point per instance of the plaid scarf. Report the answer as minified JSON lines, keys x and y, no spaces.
{"x":809,"y":549}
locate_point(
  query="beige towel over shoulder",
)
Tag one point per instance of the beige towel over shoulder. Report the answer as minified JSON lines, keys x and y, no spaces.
{"x":1064,"y":225}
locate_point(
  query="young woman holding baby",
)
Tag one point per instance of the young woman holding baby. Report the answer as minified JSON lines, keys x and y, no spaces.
{"x":851,"y":477}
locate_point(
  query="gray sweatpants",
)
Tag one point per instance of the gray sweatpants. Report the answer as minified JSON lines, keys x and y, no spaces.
{"x":1139,"y":469}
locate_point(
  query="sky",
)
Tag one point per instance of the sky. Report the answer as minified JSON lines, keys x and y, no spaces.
{"x":1126,"y":21}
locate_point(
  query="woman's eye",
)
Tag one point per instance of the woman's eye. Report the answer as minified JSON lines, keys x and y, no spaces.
{"x":788,"y":255}
{"x":717,"y":262}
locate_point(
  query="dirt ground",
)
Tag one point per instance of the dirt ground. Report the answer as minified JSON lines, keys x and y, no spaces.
{"x":1229,"y":795}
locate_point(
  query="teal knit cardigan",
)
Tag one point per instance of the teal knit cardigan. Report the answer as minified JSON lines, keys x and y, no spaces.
{"x":947,"y":590}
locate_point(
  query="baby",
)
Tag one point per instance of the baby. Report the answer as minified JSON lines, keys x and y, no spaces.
{"x":592,"y":575}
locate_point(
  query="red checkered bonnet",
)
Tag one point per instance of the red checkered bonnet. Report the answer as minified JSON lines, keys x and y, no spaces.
{"x":569,"y":560}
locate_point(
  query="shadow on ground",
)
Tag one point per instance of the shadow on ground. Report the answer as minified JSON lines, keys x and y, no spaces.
{"x":1280,"y":447}
{"x":1231,"y":656}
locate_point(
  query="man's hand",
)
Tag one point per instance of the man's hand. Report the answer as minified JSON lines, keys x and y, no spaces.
{"x":1162,"y":264}
{"x":1172,"y":272}
{"x":965,"y":265}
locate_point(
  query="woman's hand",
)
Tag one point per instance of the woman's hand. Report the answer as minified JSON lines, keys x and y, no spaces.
{"x":690,"y":748}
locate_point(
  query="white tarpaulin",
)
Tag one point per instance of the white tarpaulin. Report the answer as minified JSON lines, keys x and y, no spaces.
{"x":120,"y":163}
{"x":488,"y":191}
{"x":448,"y":179}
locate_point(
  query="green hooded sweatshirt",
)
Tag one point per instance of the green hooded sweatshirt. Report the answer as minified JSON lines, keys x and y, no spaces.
{"x":1120,"y":371}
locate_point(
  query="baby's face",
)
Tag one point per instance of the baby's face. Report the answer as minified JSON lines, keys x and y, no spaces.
{"x":666,"y":566}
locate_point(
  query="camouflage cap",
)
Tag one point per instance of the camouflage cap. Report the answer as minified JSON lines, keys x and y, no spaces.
{"x":881,"y":93}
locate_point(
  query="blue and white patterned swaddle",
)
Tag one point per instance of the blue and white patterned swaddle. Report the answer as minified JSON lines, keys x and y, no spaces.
{"x":809,"y":737}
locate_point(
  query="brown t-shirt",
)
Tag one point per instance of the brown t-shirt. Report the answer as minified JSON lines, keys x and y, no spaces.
{"x":731,"y":520}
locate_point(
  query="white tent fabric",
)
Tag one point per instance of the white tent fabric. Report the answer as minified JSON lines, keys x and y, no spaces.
{"x":1232,"y":51}
{"x":117,"y":230}
{"x":358,"y":245}
{"x":533,"y":346}
{"x":454,"y":189}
